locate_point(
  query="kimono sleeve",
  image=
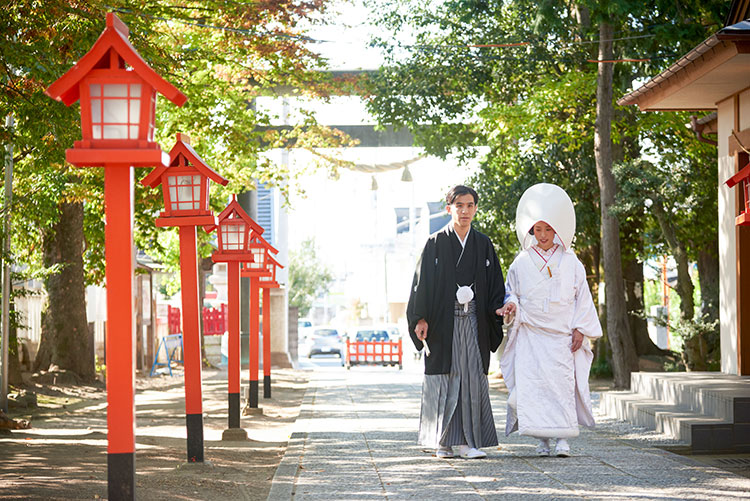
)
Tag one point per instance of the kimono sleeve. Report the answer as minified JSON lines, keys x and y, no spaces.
{"x":495,"y":282}
{"x":585,"y":317}
{"x":422,"y":289}
{"x":511,"y":284}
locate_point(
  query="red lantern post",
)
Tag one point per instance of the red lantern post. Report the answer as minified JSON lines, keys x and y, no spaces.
{"x":261,"y":250}
{"x":267,"y":283}
{"x":117,"y":90}
{"x":185,"y":184}
{"x":234,"y":234}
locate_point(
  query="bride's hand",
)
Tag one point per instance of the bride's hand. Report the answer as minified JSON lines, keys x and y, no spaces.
{"x":509,"y":308}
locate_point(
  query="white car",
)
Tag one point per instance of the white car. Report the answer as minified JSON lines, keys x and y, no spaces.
{"x":326,"y":341}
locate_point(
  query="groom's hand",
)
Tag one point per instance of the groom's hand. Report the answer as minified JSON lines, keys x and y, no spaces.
{"x":421,"y":329}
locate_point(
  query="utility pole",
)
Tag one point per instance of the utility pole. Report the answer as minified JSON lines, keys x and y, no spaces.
{"x":9,"y":123}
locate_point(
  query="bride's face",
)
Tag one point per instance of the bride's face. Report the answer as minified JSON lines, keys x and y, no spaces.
{"x":544,"y":235}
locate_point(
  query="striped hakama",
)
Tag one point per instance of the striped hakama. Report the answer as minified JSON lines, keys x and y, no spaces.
{"x":456,"y":407}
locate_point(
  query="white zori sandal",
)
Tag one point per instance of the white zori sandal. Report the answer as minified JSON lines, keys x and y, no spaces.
{"x":444,"y":452}
{"x":562,"y":449}
{"x":467,"y":452}
{"x":543,"y":448}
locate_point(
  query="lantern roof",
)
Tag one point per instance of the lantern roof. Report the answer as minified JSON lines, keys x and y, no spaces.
{"x":235,"y":208}
{"x":115,"y":38}
{"x":259,"y":240}
{"x":274,"y":262}
{"x":183,"y":149}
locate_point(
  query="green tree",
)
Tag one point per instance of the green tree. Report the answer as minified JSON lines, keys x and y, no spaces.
{"x":220,"y":54}
{"x":536,"y":82}
{"x":308,"y":277}
{"x":684,"y":222}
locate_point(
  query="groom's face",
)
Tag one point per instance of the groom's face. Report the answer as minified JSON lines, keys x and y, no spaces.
{"x":462,"y":210}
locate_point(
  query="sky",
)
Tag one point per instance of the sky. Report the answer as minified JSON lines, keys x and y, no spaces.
{"x":344,"y":39}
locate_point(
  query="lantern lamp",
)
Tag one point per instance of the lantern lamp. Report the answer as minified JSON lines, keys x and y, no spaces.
{"x":185,"y":186}
{"x":270,"y":279}
{"x":261,"y":251}
{"x":235,"y":230}
{"x":117,"y":90}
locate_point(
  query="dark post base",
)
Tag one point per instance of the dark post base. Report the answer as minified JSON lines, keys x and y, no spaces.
{"x":266,"y":386}
{"x":194,"y":437}
{"x":234,"y":435}
{"x":234,"y":410}
{"x":252,"y":399}
{"x":121,"y":476}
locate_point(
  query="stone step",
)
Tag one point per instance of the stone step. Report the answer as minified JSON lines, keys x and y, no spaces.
{"x":653,"y":414}
{"x":706,"y":393}
{"x":694,"y":409}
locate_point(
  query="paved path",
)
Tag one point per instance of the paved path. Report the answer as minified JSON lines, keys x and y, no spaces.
{"x":356,"y":435}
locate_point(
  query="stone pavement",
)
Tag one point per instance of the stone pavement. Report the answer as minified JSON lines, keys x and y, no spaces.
{"x":355,"y":439}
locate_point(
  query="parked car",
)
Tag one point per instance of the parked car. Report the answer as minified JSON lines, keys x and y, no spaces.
{"x":376,"y":333}
{"x":371,"y":334}
{"x":375,"y":345}
{"x":326,"y":341}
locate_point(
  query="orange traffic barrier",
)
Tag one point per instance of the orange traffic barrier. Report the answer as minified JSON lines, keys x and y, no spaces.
{"x":374,"y":352}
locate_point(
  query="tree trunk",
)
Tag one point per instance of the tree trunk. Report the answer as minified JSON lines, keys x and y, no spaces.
{"x":624,"y":358}
{"x":64,"y":340}
{"x":633,"y":274}
{"x":708,"y":276}
{"x":632,"y":247}
{"x":684,"y":282}
{"x":591,"y":259}
{"x":205,"y":266}
{"x":14,"y":365}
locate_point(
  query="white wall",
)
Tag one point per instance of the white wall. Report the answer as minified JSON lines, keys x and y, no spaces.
{"x":727,"y":236}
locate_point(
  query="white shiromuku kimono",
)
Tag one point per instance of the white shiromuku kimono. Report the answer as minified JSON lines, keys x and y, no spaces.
{"x":547,"y":383}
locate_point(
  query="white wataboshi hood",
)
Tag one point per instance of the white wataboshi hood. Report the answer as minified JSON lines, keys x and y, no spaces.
{"x":549,"y":203}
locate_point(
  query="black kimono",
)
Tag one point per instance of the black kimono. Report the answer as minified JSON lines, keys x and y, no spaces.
{"x":433,"y":295}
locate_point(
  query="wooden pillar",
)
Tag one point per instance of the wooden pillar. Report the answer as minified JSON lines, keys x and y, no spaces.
{"x":743,"y":283}
{"x":254,"y":341}
{"x":266,"y":342}
{"x":233,"y":345}
{"x":737,"y":146}
{"x":191,"y":338}
{"x":120,"y":349}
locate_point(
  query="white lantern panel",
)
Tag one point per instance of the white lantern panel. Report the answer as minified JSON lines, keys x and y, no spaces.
{"x":259,"y":258}
{"x":185,"y":195}
{"x":115,"y":90}
{"x":115,"y":132}
{"x":115,"y":111}
{"x":96,"y":111}
{"x":134,"y":111}
{"x":233,"y":236}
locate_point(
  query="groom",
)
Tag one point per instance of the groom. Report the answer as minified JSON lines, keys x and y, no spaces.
{"x":456,"y":296}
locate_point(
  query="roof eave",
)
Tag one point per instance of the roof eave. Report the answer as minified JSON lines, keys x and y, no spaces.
{"x":737,"y":35}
